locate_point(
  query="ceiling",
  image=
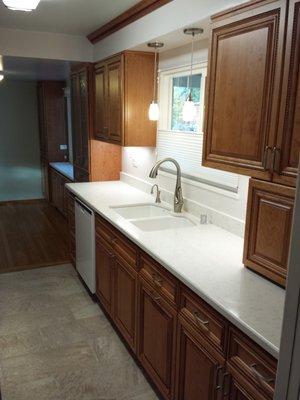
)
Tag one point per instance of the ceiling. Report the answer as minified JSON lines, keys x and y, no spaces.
{"x":74,"y":17}
{"x":21,"y":68}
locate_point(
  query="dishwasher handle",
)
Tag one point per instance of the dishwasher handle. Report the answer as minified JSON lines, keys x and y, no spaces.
{"x":83,"y":208}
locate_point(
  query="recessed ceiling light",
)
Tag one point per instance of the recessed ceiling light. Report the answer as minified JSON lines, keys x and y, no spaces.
{"x":21,"y":5}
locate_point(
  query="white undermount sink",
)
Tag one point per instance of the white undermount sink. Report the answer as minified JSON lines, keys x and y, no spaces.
{"x":137,"y":211}
{"x":163,"y":223}
{"x":152,"y":217}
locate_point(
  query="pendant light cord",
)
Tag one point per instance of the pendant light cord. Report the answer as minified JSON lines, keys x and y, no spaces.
{"x":155,"y":76}
{"x":191,"y":73}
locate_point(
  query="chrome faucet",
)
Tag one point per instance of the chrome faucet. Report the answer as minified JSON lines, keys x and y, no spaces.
{"x":178,"y":199}
{"x":157,"y":200}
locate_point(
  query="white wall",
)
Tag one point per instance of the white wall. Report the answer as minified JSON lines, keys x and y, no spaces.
{"x":226,"y":209}
{"x":20,"y":171}
{"x":56,"y":46}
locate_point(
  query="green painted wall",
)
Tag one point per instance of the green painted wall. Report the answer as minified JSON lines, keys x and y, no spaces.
{"x":20,"y":170}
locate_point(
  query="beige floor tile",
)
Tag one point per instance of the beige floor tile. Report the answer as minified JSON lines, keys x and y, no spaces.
{"x":56,"y":343}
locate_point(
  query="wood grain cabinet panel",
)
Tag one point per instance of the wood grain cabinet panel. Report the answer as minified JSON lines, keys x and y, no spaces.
{"x":100,"y":119}
{"x":250,"y":366}
{"x":268,"y":229}
{"x":198,"y":366}
{"x":105,"y":264}
{"x":243,"y":89}
{"x":114,"y":100}
{"x":157,"y":333}
{"x":123,"y":92}
{"x":125,"y":294}
{"x":286,"y":152}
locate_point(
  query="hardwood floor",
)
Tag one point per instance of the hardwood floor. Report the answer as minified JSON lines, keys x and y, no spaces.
{"x":32,"y":234}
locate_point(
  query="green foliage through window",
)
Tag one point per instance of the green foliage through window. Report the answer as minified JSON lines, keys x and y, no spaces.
{"x":180,"y":92}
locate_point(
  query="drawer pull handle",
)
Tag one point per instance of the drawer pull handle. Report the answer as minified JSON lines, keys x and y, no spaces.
{"x":155,"y":296}
{"x":260,"y":377}
{"x":203,"y":324}
{"x":157,"y":280}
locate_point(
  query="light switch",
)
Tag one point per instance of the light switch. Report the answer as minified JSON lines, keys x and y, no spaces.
{"x":63,"y":147}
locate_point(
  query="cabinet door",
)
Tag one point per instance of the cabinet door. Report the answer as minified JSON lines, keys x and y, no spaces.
{"x":268,"y":229}
{"x":243,"y":89}
{"x":198,"y":366}
{"x":84,"y":118}
{"x":100,"y":123}
{"x":76,"y":124}
{"x":104,"y":275}
{"x":157,"y":330}
{"x":286,"y":154}
{"x":114,"y":100}
{"x":125,"y":301}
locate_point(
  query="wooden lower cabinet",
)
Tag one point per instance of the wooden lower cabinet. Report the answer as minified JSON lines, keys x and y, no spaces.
{"x":125,"y":294}
{"x":71,"y":222}
{"x":187,"y":349}
{"x":157,"y":333}
{"x":105,"y":261}
{"x":268,"y":229}
{"x":198,"y":366}
{"x":58,"y":191}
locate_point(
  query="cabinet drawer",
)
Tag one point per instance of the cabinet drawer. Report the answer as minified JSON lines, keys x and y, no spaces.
{"x":125,"y":250}
{"x":205,"y":320}
{"x":104,"y":230}
{"x":247,"y":358}
{"x":163,"y":282}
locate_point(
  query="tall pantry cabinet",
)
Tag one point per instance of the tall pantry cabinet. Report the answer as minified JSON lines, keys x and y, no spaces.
{"x":93,"y":160}
{"x":253,"y":119}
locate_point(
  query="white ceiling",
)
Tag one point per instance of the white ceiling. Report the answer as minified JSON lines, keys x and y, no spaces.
{"x":21,"y":68}
{"x":74,"y":17}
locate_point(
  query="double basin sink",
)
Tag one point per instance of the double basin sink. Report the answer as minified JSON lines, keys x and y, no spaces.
{"x":152,"y":217}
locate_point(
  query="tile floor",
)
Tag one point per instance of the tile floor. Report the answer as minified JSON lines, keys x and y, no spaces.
{"x":56,"y":344}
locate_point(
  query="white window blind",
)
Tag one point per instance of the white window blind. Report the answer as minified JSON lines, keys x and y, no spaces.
{"x":186,"y":147}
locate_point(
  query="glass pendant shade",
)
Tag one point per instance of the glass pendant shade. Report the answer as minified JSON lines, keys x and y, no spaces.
{"x":21,"y":5}
{"x":189,"y":110}
{"x":153,"y":111}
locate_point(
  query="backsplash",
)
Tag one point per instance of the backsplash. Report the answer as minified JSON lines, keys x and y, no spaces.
{"x":223,"y":208}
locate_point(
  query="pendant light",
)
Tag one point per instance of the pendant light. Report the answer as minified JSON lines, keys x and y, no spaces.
{"x":21,"y":5}
{"x":189,"y":109}
{"x":153,"y":108}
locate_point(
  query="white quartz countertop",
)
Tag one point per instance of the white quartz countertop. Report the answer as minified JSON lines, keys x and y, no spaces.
{"x":208,"y":259}
{"x":65,"y":168}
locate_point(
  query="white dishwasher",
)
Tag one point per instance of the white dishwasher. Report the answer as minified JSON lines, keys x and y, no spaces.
{"x":85,"y":244}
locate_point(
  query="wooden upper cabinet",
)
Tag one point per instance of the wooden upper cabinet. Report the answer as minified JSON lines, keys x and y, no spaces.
{"x":268,"y":229}
{"x":123,"y":91}
{"x":288,"y":142}
{"x":100,"y":123}
{"x":244,"y":87}
{"x":114,"y":100}
{"x":80,"y":116}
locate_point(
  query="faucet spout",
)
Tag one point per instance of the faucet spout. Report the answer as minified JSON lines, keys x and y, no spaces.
{"x":178,"y":199}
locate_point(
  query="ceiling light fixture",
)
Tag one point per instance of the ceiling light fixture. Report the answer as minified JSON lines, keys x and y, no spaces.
{"x":1,"y":76}
{"x":21,"y":5}
{"x":154,"y":108}
{"x":189,"y":109}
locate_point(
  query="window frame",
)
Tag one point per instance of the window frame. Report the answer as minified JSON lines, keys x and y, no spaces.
{"x":166,"y":94}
